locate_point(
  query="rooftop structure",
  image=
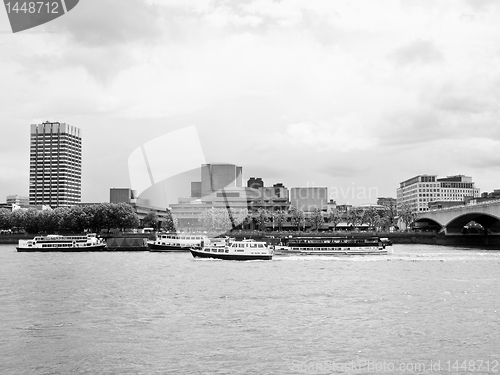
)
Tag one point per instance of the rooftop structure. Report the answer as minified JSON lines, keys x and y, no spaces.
{"x":218,"y":176}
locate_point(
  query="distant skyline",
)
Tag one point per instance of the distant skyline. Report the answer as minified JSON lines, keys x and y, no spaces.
{"x":355,"y":96}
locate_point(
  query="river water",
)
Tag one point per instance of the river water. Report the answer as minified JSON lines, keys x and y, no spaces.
{"x":425,"y":309}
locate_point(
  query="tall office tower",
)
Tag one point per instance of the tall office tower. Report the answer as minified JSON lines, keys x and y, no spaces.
{"x":55,"y":164}
{"x":217,"y":176}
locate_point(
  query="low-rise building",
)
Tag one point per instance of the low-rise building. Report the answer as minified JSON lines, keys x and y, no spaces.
{"x":19,"y":200}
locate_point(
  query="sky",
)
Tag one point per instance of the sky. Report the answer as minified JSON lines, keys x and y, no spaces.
{"x":357,"y":96}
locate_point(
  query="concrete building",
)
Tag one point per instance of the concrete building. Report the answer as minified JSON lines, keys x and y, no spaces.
{"x":215,"y":177}
{"x":255,"y":183}
{"x":221,"y":187}
{"x":189,"y":211}
{"x":417,"y":192}
{"x":485,"y":197}
{"x":122,"y":195}
{"x":196,"y":189}
{"x":309,"y":198}
{"x":495,"y":194}
{"x":55,"y":164}
{"x":276,"y":193}
{"x":17,"y":199}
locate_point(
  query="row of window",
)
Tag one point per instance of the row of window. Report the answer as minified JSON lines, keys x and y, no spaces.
{"x":174,"y":237}
{"x":56,"y":154}
{"x":54,"y":136}
{"x":47,"y":176}
{"x":247,"y":245}
{"x":62,"y":188}
{"x":49,"y":161}
{"x":47,"y":172}
{"x":65,"y":171}
{"x":215,"y":250}
{"x":54,"y":146}
{"x":62,"y":195}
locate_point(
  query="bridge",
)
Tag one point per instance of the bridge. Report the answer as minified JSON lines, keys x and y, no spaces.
{"x":452,"y":220}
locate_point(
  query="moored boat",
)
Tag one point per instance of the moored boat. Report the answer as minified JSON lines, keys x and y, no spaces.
{"x":174,"y":242}
{"x":386,"y":241}
{"x":233,"y":250}
{"x":352,"y":245}
{"x":54,"y":242}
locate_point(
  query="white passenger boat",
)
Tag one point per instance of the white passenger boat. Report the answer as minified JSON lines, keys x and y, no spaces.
{"x":54,"y":242}
{"x":354,"y":245}
{"x":233,"y":250}
{"x":172,"y":242}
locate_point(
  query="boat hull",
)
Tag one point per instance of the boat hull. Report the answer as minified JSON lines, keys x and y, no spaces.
{"x":361,"y":251}
{"x":68,"y":249}
{"x":225,"y":256}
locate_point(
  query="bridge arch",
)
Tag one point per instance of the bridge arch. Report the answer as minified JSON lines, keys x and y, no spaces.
{"x":488,"y":221}
{"x":426,"y":223}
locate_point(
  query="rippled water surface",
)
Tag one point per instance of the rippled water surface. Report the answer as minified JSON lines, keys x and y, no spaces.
{"x":155,"y":313}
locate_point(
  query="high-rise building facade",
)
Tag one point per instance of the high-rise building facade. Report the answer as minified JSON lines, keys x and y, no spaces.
{"x":55,"y":164}
{"x":417,"y":192}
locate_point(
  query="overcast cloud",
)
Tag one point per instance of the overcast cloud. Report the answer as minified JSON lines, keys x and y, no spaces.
{"x":341,"y":94}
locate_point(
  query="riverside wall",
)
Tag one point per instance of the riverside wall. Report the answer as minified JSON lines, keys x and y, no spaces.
{"x":137,"y":242}
{"x":13,"y":239}
{"x":472,"y":240}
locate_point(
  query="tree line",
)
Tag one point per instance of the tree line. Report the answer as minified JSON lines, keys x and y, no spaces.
{"x":108,"y":216}
{"x":74,"y":219}
{"x":375,"y":218}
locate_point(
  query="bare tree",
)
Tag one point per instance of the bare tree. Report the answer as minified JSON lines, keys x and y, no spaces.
{"x":317,"y":218}
{"x":407,"y":215}
{"x":334,"y":217}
